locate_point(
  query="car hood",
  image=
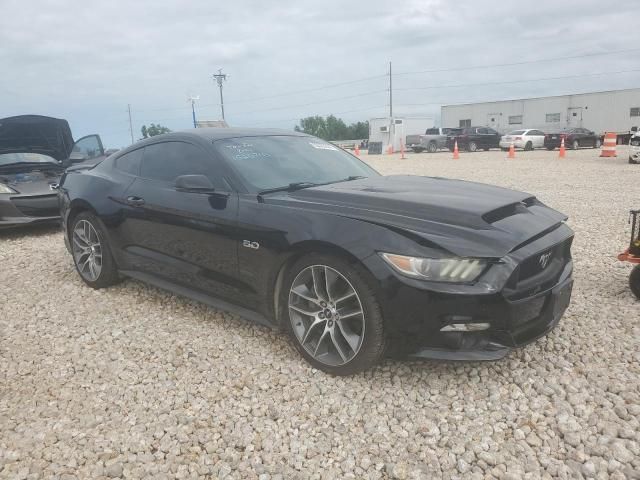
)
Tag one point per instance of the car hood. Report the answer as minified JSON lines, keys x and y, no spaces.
{"x":36,"y":134}
{"x":36,"y":182}
{"x":465,"y":218}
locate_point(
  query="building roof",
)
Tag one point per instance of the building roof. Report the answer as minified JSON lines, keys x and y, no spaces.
{"x":541,"y":98}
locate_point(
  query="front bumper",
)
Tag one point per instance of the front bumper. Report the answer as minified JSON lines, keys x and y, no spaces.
{"x":634,"y":154}
{"x":518,"y":308}
{"x":23,"y":210}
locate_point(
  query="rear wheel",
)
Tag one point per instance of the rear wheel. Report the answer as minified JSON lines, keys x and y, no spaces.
{"x":634,"y":281}
{"x":597,"y":144}
{"x":432,"y":147}
{"x":472,"y":147}
{"x":332,"y":315}
{"x":528,"y":146}
{"x":91,"y":252}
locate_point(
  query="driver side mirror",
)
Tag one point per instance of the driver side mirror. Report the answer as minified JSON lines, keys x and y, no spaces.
{"x":194,"y":183}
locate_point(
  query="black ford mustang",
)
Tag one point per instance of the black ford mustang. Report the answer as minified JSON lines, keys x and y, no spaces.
{"x":290,"y":231}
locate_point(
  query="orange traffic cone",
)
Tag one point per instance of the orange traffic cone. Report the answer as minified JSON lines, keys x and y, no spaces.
{"x":563,"y":152}
{"x":456,"y":154}
{"x":357,"y":150}
{"x":512,"y":151}
{"x":609,"y":145}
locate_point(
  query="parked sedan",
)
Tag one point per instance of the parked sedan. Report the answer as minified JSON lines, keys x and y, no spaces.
{"x":293,"y":232}
{"x":474,"y":138}
{"x":573,"y":138}
{"x":34,"y":150}
{"x":526,"y":139}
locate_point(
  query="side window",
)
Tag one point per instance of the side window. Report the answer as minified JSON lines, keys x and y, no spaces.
{"x":536,"y":132}
{"x":89,"y":146}
{"x":130,"y":162}
{"x":492,"y":131}
{"x":432,"y":131}
{"x":166,"y":161}
{"x":482,"y":130}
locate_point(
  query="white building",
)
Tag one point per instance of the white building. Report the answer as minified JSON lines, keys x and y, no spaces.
{"x":393,"y":131}
{"x":609,"y":111}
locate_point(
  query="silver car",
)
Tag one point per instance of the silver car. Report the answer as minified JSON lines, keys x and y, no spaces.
{"x":527,"y":139}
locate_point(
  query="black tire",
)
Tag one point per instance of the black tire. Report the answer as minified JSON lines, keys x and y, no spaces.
{"x":418,"y":149}
{"x":632,"y":161}
{"x":373,"y":343}
{"x":528,"y":146}
{"x":108,"y":272}
{"x":575,"y":145}
{"x":634,"y":281}
{"x":597,"y":143}
{"x":472,"y":147}
{"x":432,"y":147}
{"x":504,"y":149}
{"x":551,"y":148}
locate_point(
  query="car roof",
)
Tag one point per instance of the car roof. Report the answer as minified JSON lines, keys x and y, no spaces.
{"x":217,"y":133}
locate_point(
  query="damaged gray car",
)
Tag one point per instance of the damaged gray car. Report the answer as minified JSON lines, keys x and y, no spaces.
{"x":34,"y":152}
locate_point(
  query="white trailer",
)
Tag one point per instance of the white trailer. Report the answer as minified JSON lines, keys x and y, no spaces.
{"x":609,"y":111}
{"x":394,"y":131}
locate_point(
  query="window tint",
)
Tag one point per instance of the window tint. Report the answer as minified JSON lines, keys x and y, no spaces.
{"x":535,"y":132}
{"x":130,"y":162}
{"x":518,"y":132}
{"x":432,"y":131}
{"x":482,"y":130}
{"x":168,"y":160}
{"x":90,"y":146}
{"x":491,"y":131}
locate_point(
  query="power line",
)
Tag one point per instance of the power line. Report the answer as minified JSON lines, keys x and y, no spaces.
{"x":430,"y":87}
{"x":524,"y":62}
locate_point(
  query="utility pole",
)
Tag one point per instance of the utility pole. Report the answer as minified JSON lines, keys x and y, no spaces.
{"x":220,"y":77}
{"x":390,"y":92}
{"x":130,"y":123}
{"x":193,"y":99}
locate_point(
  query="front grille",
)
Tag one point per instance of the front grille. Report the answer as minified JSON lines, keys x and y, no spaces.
{"x":539,"y":272}
{"x":37,"y":206}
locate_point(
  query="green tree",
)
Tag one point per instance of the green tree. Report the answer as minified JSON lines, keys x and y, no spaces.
{"x":333,"y":128}
{"x":153,"y":130}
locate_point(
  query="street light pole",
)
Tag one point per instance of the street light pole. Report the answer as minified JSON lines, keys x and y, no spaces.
{"x":220,"y":77}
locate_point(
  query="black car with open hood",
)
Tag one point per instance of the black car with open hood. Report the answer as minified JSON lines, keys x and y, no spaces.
{"x":34,"y":151}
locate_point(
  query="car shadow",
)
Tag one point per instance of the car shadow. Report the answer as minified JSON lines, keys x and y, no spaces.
{"x":29,"y":230}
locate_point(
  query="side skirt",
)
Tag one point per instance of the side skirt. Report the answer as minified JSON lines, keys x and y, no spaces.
{"x":199,"y":297}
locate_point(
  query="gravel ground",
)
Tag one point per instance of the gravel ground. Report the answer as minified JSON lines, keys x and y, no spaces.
{"x":133,"y":382}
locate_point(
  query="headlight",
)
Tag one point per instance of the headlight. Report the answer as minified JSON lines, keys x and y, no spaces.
{"x":437,"y":269}
{"x":6,"y":189}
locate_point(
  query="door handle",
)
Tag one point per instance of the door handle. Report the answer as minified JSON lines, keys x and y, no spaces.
{"x":135,"y":201}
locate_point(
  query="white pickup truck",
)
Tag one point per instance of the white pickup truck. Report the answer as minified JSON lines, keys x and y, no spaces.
{"x":433,"y":139}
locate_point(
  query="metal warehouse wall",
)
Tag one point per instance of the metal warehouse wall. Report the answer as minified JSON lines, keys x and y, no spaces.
{"x":598,"y":111}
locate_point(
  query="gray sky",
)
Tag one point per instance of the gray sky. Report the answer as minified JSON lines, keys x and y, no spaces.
{"x":85,"y":61}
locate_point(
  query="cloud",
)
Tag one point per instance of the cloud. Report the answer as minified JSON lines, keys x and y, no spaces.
{"x":85,"y":61}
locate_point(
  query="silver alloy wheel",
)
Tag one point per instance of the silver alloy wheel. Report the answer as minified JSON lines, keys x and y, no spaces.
{"x":326,"y":315}
{"x":87,"y":250}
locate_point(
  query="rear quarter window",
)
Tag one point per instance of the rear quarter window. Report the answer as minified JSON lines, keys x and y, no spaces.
{"x":130,"y":162}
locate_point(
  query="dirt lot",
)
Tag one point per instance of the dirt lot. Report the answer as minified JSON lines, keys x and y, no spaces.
{"x":133,"y":382}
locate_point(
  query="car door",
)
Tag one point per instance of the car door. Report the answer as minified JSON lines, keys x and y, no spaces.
{"x":493,"y":138}
{"x":537,"y":138}
{"x":185,"y":237}
{"x":86,"y":149}
{"x":482,"y":137}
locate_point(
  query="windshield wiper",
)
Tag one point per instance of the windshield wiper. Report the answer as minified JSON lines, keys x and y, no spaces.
{"x":292,"y":187}
{"x":349,"y":178}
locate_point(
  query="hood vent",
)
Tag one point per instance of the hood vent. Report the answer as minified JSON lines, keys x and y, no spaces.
{"x":508,"y":210}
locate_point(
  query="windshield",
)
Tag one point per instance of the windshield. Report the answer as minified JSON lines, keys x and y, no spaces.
{"x":13,"y":158}
{"x":516,"y":132}
{"x":277,"y":161}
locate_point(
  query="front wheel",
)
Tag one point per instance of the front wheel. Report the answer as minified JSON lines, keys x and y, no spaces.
{"x":634,"y":281}
{"x":529,"y":146}
{"x":575,"y":145}
{"x":432,"y":147}
{"x":473,"y":146}
{"x":597,"y":144}
{"x":91,"y":252}
{"x":332,"y":314}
